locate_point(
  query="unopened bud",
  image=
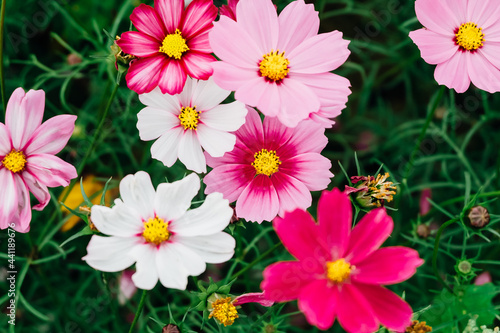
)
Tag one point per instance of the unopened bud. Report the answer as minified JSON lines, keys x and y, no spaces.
{"x":423,"y":230}
{"x":479,"y":216}
{"x":171,"y":328}
{"x":464,"y":267}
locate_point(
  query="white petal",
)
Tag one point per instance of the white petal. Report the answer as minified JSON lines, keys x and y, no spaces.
{"x":110,"y":254}
{"x":153,"y":122}
{"x":146,"y":275}
{"x":225,"y":117}
{"x":211,"y":217}
{"x":138,"y":192}
{"x":215,"y":142}
{"x":190,"y":153}
{"x":117,"y":221}
{"x":213,"y":249}
{"x":208,"y":95}
{"x":175,"y":263}
{"x":161,"y":101}
{"x":166,"y":148}
{"x":172,"y":200}
{"x":186,"y":95}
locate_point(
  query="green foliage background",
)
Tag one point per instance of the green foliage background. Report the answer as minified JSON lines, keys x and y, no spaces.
{"x":393,"y":92}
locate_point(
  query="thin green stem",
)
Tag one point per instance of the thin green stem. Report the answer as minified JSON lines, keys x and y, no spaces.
{"x":256,"y":261}
{"x":435,"y":253}
{"x":93,"y":143}
{"x":2,"y":79}
{"x":139,"y":310}
{"x":430,"y":115}
{"x":89,"y":152}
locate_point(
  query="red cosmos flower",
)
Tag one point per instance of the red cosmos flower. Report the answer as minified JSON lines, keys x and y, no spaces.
{"x":171,"y":43}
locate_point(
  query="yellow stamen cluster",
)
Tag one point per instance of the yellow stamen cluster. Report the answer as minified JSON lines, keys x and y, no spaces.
{"x":338,"y":271}
{"x":14,"y":161}
{"x":418,"y":327}
{"x":380,"y":189}
{"x":224,"y":311}
{"x":274,"y":66}
{"x":174,"y":45}
{"x":189,"y":117}
{"x":266,"y":162}
{"x":469,"y":36}
{"x":372,"y":191}
{"x":155,"y":231}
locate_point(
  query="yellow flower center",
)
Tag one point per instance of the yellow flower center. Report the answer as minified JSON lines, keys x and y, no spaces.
{"x":469,"y":36}
{"x":174,"y":45}
{"x":266,"y":162}
{"x":274,"y":66}
{"x":338,"y":271}
{"x":155,"y":231}
{"x":14,"y":161}
{"x":224,"y":311}
{"x":189,"y":117}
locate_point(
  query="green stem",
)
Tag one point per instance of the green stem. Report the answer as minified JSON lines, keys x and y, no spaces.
{"x":84,"y":161}
{"x":93,"y":143}
{"x":435,"y":253}
{"x":2,"y":79}
{"x":139,"y":310}
{"x":256,"y":261}
{"x":428,"y":120}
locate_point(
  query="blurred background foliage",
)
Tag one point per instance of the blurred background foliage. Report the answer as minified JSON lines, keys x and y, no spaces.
{"x":60,"y":46}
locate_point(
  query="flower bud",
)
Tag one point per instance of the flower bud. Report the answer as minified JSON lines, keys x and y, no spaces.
{"x":479,"y":216}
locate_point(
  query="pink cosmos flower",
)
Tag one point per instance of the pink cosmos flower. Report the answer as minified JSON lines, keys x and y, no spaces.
{"x":271,"y":169}
{"x":27,"y":161}
{"x":127,"y":286}
{"x":171,"y":43}
{"x":280,"y":64}
{"x":461,"y":37}
{"x":339,"y":272}
{"x":483,"y":278}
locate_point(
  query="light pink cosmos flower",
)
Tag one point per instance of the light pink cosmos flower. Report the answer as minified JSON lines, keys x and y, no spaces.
{"x":171,"y":43}
{"x":461,"y":37}
{"x":186,"y":122}
{"x":155,"y":230}
{"x":271,"y":169}
{"x":27,"y":161}
{"x":127,"y":287}
{"x":280,"y":64}
{"x":339,"y":272}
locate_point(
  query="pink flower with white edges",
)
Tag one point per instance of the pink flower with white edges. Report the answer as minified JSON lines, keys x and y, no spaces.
{"x":461,"y":37}
{"x":156,"y":231}
{"x":339,"y":272}
{"x":280,"y":64}
{"x":183,"y":124}
{"x":271,"y":169}
{"x":171,"y":43}
{"x":27,"y":161}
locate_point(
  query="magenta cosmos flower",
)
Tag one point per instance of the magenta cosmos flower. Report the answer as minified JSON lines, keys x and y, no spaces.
{"x":461,"y":37}
{"x":272,"y":168}
{"x":171,"y":43}
{"x":339,"y":272}
{"x":280,"y":64}
{"x":28,"y":164}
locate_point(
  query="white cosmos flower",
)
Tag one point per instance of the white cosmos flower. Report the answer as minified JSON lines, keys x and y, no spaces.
{"x":156,"y":231}
{"x":186,"y":122}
